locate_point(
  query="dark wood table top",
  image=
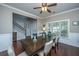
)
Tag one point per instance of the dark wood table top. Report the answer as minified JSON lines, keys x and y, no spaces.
{"x":31,"y":47}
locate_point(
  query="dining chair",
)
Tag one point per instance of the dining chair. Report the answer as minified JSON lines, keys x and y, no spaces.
{"x":10,"y":51}
{"x":23,"y":54}
{"x":47,"y":48}
{"x":55,"y":43}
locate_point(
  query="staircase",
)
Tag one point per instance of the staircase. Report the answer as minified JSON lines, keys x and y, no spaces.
{"x":21,"y":29}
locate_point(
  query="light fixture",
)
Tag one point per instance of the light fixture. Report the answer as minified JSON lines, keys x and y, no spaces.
{"x":44,"y":28}
{"x":44,"y":8}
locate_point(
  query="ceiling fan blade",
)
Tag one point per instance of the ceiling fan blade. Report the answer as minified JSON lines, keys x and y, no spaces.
{"x":36,"y":7}
{"x":48,"y":10}
{"x":54,"y":4}
{"x":40,"y":11}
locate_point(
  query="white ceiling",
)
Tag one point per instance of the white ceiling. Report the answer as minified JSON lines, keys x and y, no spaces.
{"x":28,"y":7}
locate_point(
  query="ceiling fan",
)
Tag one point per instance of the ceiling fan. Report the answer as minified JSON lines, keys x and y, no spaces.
{"x":45,"y":6}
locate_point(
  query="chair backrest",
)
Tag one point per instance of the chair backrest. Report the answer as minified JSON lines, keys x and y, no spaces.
{"x":57,"y":39}
{"x":48,"y":47}
{"x":54,"y":42}
{"x":11,"y":51}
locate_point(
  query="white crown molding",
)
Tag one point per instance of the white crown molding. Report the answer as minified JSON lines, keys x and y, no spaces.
{"x":36,"y":15}
{"x":19,"y":10}
{"x":62,"y":12}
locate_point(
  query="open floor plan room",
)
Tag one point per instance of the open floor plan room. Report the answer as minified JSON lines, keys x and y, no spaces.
{"x":39,"y":29}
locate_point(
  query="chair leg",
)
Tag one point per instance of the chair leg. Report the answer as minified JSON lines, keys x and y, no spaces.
{"x":55,"y":50}
{"x":57,"y":46}
{"x":44,"y":54}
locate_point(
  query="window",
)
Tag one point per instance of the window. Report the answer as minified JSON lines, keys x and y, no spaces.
{"x":60,"y":27}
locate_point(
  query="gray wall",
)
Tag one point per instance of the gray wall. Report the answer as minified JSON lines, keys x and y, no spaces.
{"x":73,"y":16}
{"x":5,"y":20}
{"x":5,"y":28}
{"x":6,"y":25}
{"x":73,"y":38}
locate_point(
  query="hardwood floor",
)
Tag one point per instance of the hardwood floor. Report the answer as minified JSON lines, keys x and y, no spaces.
{"x":65,"y":50}
{"x":18,"y":47}
{"x":4,"y":53}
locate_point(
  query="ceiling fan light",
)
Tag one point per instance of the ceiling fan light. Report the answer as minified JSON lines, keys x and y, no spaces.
{"x":42,"y":8}
{"x":45,"y":8}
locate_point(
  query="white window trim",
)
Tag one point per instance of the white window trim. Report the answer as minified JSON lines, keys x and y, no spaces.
{"x":60,"y":21}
